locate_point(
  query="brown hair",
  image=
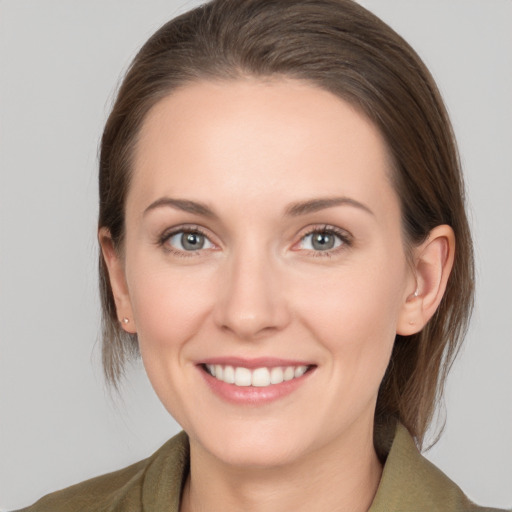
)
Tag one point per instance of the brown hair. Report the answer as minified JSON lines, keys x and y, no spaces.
{"x":341,"y":47}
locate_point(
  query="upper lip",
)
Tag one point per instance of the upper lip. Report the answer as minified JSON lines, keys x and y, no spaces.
{"x":259,"y":362}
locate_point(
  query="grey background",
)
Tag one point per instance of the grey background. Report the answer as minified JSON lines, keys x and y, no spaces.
{"x":60,"y":61}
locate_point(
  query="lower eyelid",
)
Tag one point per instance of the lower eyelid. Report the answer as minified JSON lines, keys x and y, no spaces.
{"x":345,"y":241}
{"x":344,"y":238}
{"x":164,"y":239}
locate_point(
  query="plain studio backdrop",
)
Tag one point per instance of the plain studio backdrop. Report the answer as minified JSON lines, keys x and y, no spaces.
{"x":60,"y":63}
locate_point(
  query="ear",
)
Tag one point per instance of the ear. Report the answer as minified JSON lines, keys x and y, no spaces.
{"x":115,"y":267}
{"x":433,"y":262}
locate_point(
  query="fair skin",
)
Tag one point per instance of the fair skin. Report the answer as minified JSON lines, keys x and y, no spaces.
{"x":294,"y":257}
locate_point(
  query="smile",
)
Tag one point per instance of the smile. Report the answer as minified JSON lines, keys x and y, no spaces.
{"x":258,"y":377}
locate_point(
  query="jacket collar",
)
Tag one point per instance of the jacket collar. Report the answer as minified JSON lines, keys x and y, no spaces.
{"x":412,"y":483}
{"x":409,"y":481}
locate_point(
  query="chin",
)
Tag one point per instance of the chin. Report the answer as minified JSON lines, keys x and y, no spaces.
{"x":265,"y":454}
{"x":259,"y":445}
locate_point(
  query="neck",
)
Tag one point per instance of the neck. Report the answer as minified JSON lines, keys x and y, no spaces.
{"x":339,"y":477}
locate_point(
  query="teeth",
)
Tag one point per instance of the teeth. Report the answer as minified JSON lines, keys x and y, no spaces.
{"x":289,"y":373}
{"x":276,"y":375}
{"x":300,"y":371}
{"x":229,"y":375}
{"x":242,"y":377}
{"x":260,"y":377}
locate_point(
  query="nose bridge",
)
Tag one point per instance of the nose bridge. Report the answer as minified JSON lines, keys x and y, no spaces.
{"x":251,"y":301}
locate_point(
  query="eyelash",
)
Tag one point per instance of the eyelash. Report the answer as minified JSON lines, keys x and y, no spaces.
{"x":167,"y":235}
{"x":342,"y":235}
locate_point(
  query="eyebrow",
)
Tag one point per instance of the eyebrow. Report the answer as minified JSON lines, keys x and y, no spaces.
{"x":315,"y":205}
{"x":293,"y":210}
{"x":182,"y":204}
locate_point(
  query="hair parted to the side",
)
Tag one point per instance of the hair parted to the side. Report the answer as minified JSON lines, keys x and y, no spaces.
{"x":341,"y":47}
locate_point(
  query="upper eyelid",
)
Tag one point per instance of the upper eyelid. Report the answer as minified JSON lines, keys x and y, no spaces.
{"x":342,"y":233}
{"x":165,"y":237}
{"x":192,"y":228}
{"x":346,"y":238}
{"x":168,"y":233}
{"x":345,"y":235}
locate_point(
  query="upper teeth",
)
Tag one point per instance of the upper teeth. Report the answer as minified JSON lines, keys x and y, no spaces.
{"x":259,"y":377}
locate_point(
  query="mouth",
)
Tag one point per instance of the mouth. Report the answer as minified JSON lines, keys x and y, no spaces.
{"x":255,"y":377}
{"x":255,"y":382}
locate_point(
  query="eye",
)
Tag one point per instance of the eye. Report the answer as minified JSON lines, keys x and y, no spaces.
{"x":188,"y":241}
{"x":323,"y":240}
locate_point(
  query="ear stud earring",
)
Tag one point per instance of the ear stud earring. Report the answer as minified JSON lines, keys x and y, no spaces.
{"x":125,"y":320}
{"x":416,"y":293}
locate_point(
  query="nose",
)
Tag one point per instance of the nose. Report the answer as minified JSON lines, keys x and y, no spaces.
{"x":252,"y":301}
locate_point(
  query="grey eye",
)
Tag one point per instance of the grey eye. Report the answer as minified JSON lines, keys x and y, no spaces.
{"x":321,"y":241}
{"x":189,"y":241}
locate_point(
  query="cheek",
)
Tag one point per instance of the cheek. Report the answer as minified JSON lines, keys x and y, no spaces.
{"x":169,"y":304}
{"x":355,"y":311}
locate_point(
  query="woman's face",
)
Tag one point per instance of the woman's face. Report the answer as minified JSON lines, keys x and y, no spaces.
{"x":263,"y":240}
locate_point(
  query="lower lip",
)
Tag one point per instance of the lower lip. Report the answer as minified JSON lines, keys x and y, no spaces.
{"x":253,"y":395}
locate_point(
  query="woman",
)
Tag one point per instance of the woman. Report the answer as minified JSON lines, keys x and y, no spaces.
{"x":284,"y":240}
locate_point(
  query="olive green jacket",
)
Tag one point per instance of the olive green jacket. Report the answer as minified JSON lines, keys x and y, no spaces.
{"x":409,"y":483}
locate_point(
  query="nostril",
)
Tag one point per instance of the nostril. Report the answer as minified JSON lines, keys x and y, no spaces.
{"x":250,"y":303}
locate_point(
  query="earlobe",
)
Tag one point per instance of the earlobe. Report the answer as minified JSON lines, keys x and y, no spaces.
{"x":433,"y":262}
{"x":117,"y":279}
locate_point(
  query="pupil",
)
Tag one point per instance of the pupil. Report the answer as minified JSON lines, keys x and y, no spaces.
{"x":192,"y":241}
{"x":323,"y":241}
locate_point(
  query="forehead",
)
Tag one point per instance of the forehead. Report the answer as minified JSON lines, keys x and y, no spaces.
{"x":250,"y":138}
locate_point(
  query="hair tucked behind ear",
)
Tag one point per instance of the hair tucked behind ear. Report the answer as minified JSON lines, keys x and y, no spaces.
{"x":343,"y":48}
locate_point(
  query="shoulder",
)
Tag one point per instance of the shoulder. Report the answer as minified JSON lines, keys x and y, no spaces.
{"x":109,"y":490}
{"x":128,"y":489}
{"x":412,"y":483}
